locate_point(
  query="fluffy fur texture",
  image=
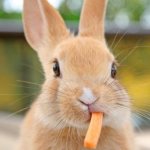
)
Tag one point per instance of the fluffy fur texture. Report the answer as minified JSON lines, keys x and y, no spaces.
{"x":59,"y":118}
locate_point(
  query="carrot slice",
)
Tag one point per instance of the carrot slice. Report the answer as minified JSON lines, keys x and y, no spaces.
{"x":94,"y":130}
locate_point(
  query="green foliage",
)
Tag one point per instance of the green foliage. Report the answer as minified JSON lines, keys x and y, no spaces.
{"x":133,"y":9}
{"x":70,"y":9}
{"x":67,"y":13}
{"x":12,"y":15}
{"x":8,"y":15}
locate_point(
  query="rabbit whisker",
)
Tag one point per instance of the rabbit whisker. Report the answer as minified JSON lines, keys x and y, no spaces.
{"x":142,"y":111}
{"x":19,"y":100}
{"x":28,"y":82}
{"x":27,"y":87}
{"x":133,"y":50}
{"x":15,"y":94}
{"x":117,"y":43}
{"x":13,"y":114}
{"x":32,"y":68}
{"x":136,"y":119}
{"x":60,"y":123}
{"x":142,"y":115}
{"x":53,"y":114}
{"x":114,"y":40}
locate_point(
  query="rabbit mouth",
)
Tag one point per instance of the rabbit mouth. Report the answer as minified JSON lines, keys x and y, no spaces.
{"x":81,"y":118}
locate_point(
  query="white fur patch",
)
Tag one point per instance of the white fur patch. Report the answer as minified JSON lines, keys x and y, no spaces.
{"x":87,"y":97}
{"x":51,"y":122}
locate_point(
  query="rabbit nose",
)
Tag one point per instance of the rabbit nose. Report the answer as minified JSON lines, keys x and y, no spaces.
{"x":87,"y":97}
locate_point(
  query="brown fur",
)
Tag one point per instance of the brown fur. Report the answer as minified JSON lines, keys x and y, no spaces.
{"x":57,"y":120}
{"x":72,"y":138}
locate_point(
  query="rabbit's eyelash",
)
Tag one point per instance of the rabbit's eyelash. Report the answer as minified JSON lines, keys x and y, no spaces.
{"x":54,"y":60}
{"x":115,"y":62}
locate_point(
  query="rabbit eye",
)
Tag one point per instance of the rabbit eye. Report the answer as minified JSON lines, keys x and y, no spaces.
{"x":56,"y":68}
{"x":113,"y":70}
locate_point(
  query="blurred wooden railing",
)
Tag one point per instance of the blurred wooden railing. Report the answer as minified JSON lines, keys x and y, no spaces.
{"x":15,"y":28}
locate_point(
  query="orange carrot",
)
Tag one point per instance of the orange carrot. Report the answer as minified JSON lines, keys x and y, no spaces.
{"x":94,"y":130}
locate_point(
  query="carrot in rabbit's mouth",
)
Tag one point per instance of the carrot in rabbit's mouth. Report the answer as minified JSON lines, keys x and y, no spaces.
{"x":94,"y":130}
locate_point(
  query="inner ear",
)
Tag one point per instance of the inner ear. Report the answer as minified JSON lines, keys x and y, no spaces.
{"x":33,"y":23}
{"x":42,"y":23}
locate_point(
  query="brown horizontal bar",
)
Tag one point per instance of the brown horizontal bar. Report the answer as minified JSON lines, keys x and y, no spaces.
{"x":15,"y":28}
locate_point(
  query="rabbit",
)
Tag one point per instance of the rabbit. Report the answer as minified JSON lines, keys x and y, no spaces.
{"x":80,"y":78}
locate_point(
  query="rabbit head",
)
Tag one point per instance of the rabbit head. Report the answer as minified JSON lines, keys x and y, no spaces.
{"x":79,"y":70}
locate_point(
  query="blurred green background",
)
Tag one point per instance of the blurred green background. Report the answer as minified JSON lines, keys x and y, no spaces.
{"x":128,"y":36}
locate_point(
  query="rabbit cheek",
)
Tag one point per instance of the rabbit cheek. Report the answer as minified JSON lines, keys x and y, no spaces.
{"x":116,"y":119}
{"x":72,"y":113}
{"x":118,"y":106}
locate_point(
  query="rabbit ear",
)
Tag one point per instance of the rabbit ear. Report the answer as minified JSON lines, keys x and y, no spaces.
{"x":44,"y":29}
{"x":42,"y":24}
{"x":92,"y":18}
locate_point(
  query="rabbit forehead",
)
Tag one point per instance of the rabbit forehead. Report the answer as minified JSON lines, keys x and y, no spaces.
{"x":81,"y":47}
{"x":84,"y":55}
